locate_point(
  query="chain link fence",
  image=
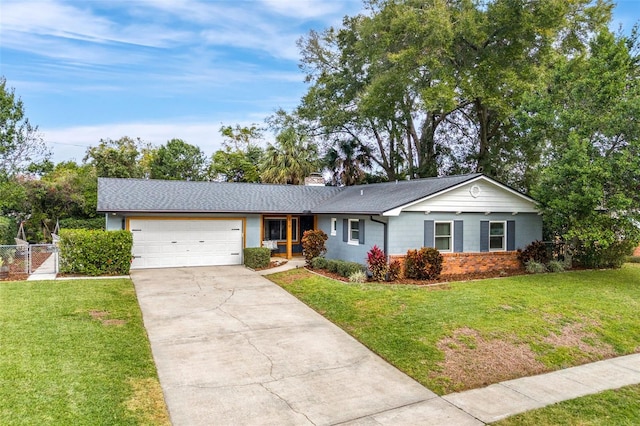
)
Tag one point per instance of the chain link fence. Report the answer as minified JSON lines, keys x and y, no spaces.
{"x":14,"y":261}
{"x":19,"y":261}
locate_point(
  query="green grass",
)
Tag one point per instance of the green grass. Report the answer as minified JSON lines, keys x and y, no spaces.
{"x":412,"y":327}
{"x":75,"y":352}
{"x":614,"y":407}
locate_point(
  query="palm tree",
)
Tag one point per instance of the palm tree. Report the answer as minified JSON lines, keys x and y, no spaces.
{"x":347,"y":162}
{"x":289,"y":160}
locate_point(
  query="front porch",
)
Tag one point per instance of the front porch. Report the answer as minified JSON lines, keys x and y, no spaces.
{"x":283,"y":233}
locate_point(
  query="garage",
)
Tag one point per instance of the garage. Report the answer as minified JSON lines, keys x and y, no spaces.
{"x":165,"y":243}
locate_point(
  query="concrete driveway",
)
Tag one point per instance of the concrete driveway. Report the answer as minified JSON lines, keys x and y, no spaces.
{"x":232,"y":348}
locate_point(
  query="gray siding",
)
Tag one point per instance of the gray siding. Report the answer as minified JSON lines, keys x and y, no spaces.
{"x":113,"y":222}
{"x":253,"y":231}
{"x":407,"y":230}
{"x":338,"y":249}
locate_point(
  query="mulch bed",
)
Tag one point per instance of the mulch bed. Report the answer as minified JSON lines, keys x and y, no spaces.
{"x":442,"y":279}
{"x":18,"y":267}
{"x":272,"y":264}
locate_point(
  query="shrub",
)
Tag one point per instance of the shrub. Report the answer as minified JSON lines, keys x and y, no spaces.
{"x":8,"y":230}
{"x":93,"y":252}
{"x":332,"y":265}
{"x":395,"y":270}
{"x":536,"y":251}
{"x":358,"y":277}
{"x":556,"y":266}
{"x":377,"y":263}
{"x":598,"y":255}
{"x":257,"y":257}
{"x":319,"y":263}
{"x":423,"y":264}
{"x":74,"y":223}
{"x":633,"y":259}
{"x":346,"y":269}
{"x":534,"y":267}
{"x":313,"y":244}
{"x":342,"y":267}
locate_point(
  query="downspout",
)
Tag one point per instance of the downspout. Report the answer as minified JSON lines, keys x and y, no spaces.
{"x":386,"y":235}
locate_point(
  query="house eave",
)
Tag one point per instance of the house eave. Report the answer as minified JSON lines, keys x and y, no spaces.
{"x":178,"y":212}
{"x":397,"y":210}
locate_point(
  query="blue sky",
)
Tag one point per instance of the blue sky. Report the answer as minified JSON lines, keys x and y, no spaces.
{"x":163,"y":69}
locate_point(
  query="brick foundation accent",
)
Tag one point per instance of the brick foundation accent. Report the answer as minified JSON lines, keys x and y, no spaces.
{"x":468,"y":263}
{"x":636,"y":252}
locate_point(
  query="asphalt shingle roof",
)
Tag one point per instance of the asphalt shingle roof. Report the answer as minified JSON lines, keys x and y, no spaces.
{"x":380,"y":197}
{"x":141,"y":195}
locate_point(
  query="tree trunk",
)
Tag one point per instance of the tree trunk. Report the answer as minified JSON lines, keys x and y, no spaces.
{"x":483,"y":163}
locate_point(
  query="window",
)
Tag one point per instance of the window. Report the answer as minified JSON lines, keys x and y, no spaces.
{"x":275,"y":229}
{"x":334,"y":226}
{"x":497,"y":236}
{"x":354,"y":231}
{"x":443,"y":236}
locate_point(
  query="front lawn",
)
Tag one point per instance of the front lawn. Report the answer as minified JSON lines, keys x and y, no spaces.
{"x":459,"y":336}
{"x":76,"y":352}
{"x":613,"y":407}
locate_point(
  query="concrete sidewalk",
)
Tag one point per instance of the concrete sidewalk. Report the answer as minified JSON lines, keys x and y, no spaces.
{"x":294,"y":263}
{"x":232,"y":348}
{"x":512,"y":397}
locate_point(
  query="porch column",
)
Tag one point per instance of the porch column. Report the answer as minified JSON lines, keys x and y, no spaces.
{"x":289,"y":236}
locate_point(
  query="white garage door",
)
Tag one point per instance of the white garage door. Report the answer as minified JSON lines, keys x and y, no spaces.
{"x":172,"y":243}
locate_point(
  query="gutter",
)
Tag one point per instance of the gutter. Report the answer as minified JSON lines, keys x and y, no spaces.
{"x":385,"y":249}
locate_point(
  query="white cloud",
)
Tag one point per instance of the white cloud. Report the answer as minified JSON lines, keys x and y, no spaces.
{"x":223,"y":61}
{"x":51,"y":18}
{"x":304,"y":9}
{"x":72,"y":142}
{"x":81,"y":33}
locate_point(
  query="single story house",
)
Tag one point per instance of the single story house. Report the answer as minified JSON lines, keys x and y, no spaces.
{"x":477,"y":222}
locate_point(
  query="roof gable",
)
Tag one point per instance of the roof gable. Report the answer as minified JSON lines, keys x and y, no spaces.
{"x":480,"y":194}
{"x":379,"y":198}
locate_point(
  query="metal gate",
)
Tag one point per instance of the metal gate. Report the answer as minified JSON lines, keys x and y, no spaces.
{"x":20,"y":260}
{"x":43,"y":259}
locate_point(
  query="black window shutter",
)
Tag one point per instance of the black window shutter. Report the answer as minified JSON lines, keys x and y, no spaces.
{"x":361,"y":232}
{"x":511,"y":235}
{"x":428,"y":233}
{"x":458,"y":236}
{"x":345,"y":230}
{"x":484,"y":235}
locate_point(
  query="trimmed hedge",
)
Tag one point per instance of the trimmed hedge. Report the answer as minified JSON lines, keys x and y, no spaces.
{"x":257,"y":257}
{"x":74,"y":223}
{"x":319,"y":263}
{"x":341,"y":267}
{"x":94,"y":252}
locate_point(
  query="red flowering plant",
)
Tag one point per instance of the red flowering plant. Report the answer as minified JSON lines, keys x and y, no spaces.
{"x":377,"y":263}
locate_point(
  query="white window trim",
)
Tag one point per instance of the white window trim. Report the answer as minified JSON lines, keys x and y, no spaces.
{"x":451,"y":240}
{"x":504,"y":235}
{"x":334,"y":226}
{"x":349,"y":239}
